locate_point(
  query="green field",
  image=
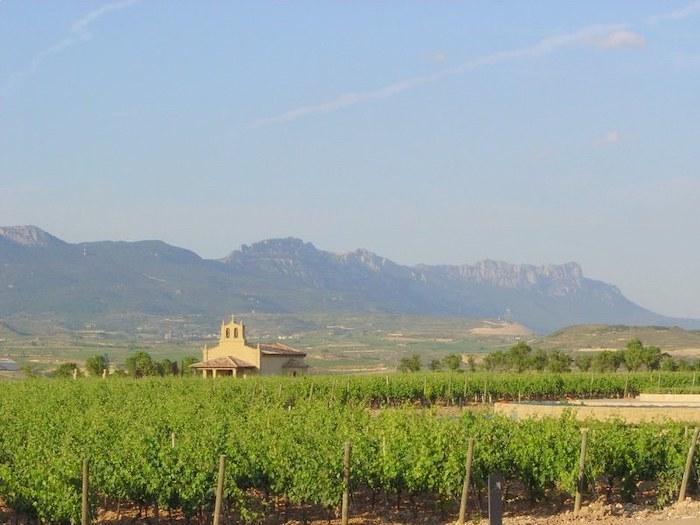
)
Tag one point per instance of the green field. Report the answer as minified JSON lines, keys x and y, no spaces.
{"x":156,"y":443}
{"x":335,"y":344}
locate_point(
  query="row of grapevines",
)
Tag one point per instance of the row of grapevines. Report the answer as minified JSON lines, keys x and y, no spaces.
{"x":460,"y":388}
{"x":285,"y":449}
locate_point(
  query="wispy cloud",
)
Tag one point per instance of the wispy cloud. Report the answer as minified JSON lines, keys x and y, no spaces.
{"x":438,"y":57}
{"x":587,"y":36}
{"x":78,"y":33}
{"x":611,"y":137}
{"x":677,"y":14}
{"x":621,"y":39}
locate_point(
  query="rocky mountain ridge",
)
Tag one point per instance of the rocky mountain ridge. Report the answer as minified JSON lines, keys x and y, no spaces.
{"x":39,"y":273}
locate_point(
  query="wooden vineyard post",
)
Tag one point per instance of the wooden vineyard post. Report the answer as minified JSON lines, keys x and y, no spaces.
{"x":495,"y":499}
{"x":346,"y":484}
{"x":84,"y":507}
{"x":219,"y":489}
{"x":467,"y":480}
{"x":688,"y":465}
{"x":581,"y":470}
{"x":172,"y":440}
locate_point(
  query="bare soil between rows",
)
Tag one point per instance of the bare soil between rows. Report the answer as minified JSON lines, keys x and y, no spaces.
{"x":410,"y":512}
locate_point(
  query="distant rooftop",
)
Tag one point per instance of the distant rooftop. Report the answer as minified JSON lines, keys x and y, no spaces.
{"x":8,"y":365}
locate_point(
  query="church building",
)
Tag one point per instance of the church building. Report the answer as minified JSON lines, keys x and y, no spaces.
{"x":235,"y":357}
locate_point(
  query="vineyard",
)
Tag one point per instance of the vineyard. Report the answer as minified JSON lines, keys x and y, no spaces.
{"x":156,"y":443}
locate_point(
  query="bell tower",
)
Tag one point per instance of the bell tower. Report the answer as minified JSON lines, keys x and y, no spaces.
{"x":232,"y":333}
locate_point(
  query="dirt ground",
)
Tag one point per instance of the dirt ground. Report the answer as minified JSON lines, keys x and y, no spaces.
{"x":599,"y":512}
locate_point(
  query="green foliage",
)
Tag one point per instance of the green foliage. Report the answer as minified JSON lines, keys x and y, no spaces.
{"x":166,"y":367}
{"x":607,"y":361}
{"x":471,"y":363}
{"x":185,"y":369}
{"x":518,"y":356}
{"x":96,"y":364}
{"x":636,"y":356}
{"x":452,"y":361}
{"x":66,"y":370}
{"x":435,"y":365}
{"x":583,"y":362}
{"x":558,"y":362}
{"x":521,"y":357}
{"x":285,"y":438}
{"x":410,"y":364}
{"x":141,"y":364}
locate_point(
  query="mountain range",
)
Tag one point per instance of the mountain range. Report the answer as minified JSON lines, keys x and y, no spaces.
{"x":40,"y":274}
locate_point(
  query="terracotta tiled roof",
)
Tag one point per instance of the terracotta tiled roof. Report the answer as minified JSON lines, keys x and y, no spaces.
{"x":223,"y":362}
{"x":280,"y":349}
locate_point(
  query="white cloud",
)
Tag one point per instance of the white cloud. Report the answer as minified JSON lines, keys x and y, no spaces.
{"x":677,"y":14}
{"x":78,"y":34}
{"x":611,"y":137}
{"x":620,"y":39}
{"x":439,"y":57}
{"x":589,"y":35}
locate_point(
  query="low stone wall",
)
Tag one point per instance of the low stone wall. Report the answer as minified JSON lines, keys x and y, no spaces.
{"x":670,"y":398}
{"x":632,"y":413}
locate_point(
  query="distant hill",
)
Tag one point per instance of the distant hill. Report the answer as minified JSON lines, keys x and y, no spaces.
{"x":598,"y":337}
{"x":41,"y":274}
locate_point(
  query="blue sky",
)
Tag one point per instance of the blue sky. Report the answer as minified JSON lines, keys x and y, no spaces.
{"x":436,"y":132}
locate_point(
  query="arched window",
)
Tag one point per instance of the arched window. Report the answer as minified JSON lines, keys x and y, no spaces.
{"x":235,"y":333}
{"x":228,"y":333}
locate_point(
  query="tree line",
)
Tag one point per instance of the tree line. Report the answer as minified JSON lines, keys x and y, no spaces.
{"x":522,"y":357}
{"x":139,"y":364}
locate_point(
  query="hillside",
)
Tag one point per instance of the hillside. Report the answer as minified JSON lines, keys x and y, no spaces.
{"x":595,"y":337}
{"x":85,"y":283}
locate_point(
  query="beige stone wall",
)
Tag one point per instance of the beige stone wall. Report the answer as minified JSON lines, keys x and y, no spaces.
{"x":272,"y":365}
{"x":631,"y":414}
{"x":232,"y":343}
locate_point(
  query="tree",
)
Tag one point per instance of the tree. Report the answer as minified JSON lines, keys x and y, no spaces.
{"x":452,"y":361}
{"x":141,"y":364}
{"x":167,"y":368}
{"x":96,"y":364}
{"x":435,"y":365}
{"x":538,"y":360}
{"x":668,"y":364}
{"x":558,"y":361}
{"x":517,"y":356}
{"x":410,"y":364}
{"x":607,"y":361}
{"x":633,"y":355}
{"x":185,"y":369}
{"x":651,"y":357}
{"x":65,"y":370}
{"x":471,"y":363}
{"x":583,"y":362}
{"x":495,"y":361}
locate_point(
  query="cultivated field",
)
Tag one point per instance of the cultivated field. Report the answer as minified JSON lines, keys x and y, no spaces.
{"x":155,"y":443}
